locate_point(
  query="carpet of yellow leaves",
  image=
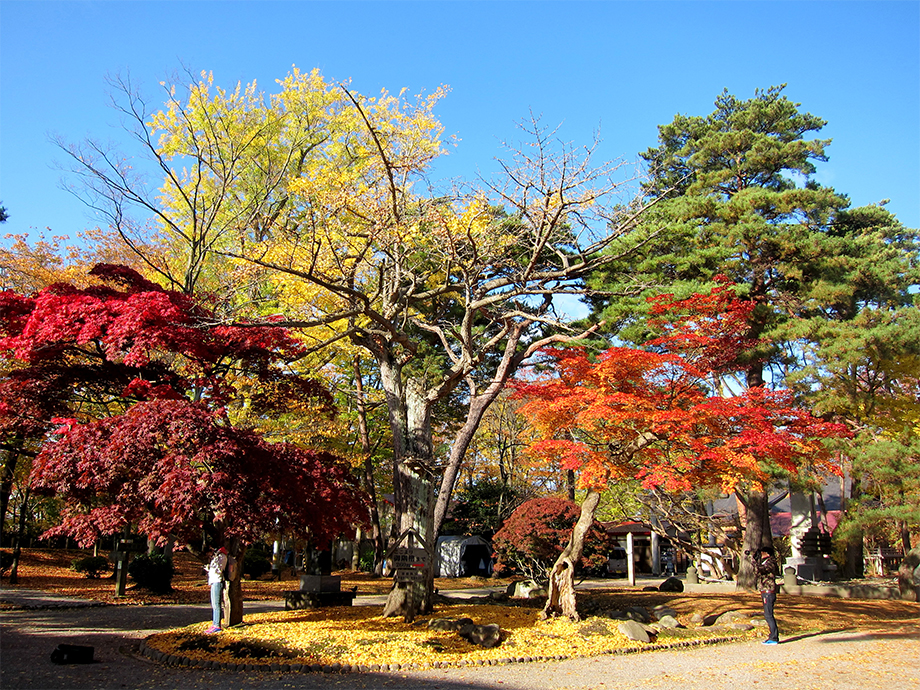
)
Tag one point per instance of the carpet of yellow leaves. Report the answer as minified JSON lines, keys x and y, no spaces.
{"x":360,"y":636}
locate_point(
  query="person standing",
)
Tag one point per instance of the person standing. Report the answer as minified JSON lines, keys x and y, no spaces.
{"x":764,"y":562}
{"x":215,"y":569}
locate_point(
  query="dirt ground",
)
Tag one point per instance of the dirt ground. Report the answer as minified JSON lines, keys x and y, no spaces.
{"x":844,"y":644}
{"x":49,"y":570}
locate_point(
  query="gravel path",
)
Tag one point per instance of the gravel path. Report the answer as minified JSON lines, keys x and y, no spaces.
{"x":827,"y":661}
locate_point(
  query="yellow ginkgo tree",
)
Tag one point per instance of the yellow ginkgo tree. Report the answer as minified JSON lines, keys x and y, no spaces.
{"x":320,"y":200}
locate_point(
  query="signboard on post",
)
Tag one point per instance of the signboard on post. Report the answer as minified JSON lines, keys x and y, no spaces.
{"x":409,"y":563}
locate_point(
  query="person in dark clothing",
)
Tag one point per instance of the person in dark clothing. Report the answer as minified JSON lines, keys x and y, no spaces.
{"x":764,"y":562}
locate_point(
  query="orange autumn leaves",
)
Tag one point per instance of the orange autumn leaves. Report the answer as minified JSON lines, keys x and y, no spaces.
{"x":662,"y":414}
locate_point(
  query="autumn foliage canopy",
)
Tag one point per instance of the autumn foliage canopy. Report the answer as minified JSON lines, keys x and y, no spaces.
{"x":660,"y":414}
{"x":141,"y":384}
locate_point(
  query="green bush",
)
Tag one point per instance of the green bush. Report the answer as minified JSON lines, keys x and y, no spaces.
{"x":152,"y":572}
{"x":93,"y":566}
{"x":255,"y":564}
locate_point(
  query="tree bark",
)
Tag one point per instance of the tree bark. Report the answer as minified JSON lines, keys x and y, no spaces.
{"x":757,"y":532}
{"x":7,"y":474}
{"x":17,"y":540}
{"x":369,"y":486}
{"x":413,"y":482}
{"x":909,"y":576}
{"x":560,"y":598}
{"x":234,"y":584}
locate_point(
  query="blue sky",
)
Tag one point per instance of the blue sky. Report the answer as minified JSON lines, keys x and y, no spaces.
{"x":623,"y":67}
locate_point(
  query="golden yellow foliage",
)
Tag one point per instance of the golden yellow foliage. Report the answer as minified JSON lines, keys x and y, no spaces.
{"x":360,"y":636}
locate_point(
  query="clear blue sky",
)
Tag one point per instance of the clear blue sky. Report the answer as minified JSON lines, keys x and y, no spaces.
{"x":625,"y":67}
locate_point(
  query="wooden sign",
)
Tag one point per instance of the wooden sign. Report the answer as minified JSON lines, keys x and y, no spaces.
{"x":409,"y":563}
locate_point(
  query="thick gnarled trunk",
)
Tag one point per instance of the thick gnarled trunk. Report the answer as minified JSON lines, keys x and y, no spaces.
{"x":413,"y":485}
{"x":757,"y":532}
{"x":561,"y":592}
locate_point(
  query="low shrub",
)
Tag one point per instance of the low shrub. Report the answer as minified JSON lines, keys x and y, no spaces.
{"x":92,"y":566}
{"x":152,"y":572}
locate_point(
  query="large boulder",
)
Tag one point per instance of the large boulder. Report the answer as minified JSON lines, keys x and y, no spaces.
{"x":525,"y":589}
{"x":487,"y":636}
{"x":660,"y":611}
{"x":672,"y":584}
{"x":634,"y":630}
{"x":449,"y":624}
{"x":669,"y":622}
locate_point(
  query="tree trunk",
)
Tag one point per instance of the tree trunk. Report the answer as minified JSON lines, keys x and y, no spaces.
{"x":757,"y":532}
{"x":480,"y":402}
{"x":17,"y":540}
{"x":234,"y":583}
{"x":7,"y":473}
{"x":413,"y":484}
{"x":369,"y":486}
{"x":560,"y":599}
{"x":909,"y":575}
{"x":853,"y":565}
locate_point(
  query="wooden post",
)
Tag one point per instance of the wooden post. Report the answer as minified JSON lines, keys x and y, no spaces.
{"x":630,"y":560}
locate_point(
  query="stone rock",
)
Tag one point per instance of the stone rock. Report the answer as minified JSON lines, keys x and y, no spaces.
{"x":660,"y":612}
{"x":669,"y":622}
{"x":635,"y":631}
{"x":487,"y":636}
{"x":449,"y":624}
{"x":525,"y":589}
{"x":731,"y":617}
{"x":638,"y":613}
{"x":616,"y":614}
{"x":650,"y":588}
{"x":672,"y":584}
{"x":740,"y":625}
{"x":698,"y":618}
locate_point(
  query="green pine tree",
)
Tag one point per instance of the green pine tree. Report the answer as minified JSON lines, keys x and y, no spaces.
{"x":737,"y":198}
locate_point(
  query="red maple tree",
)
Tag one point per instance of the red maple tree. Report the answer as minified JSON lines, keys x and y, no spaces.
{"x":660,"y":414}
{"x":144,"y":376}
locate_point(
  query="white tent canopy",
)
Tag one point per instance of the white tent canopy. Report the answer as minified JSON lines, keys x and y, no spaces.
{"x":460,"y":556}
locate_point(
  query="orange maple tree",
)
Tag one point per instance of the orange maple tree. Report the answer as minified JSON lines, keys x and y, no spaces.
{"x":662,"y":414}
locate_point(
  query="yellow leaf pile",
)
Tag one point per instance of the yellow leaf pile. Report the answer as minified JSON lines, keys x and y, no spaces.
{"x":359,"y":636}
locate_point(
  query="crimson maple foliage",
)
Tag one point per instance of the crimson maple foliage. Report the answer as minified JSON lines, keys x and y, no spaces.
{"x":143,"y":375}
{"x":175,"y":468}
{"x":534,"y":535}
{"x":659,"y":414}
{"x":655,"y":414}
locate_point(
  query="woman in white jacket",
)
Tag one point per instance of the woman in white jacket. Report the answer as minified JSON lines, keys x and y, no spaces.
{"x":215,"y":569}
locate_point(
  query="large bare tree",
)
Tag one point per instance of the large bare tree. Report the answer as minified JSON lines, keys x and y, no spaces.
{"x":324,"y":196}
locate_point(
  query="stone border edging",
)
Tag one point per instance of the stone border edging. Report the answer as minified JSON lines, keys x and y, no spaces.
{"x":184,"y":661}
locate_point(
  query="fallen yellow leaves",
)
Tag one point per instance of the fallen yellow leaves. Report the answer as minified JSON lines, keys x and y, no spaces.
{"x":359,"y":636}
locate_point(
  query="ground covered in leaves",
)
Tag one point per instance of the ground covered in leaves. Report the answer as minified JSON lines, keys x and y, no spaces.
{"x":49,"y":570}
{"x":361,"y":637}
{"x":358,"y":636}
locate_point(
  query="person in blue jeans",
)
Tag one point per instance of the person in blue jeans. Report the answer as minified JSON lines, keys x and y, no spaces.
{"x":764,"y":562}
{"x":215,"y":569}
